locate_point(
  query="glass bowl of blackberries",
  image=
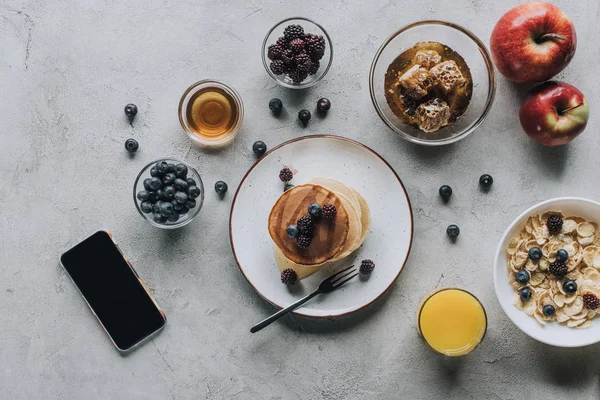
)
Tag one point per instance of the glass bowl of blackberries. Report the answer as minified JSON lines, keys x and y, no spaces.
{"x":168,"y":193}
{"x":297,"y":53}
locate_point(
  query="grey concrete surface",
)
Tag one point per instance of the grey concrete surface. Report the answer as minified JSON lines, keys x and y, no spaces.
{"x":66,"y":71}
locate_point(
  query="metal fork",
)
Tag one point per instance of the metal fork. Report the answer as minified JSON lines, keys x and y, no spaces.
{"x":328,"y":285}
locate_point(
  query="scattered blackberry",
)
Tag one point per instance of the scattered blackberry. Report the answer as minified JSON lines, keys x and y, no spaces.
{"x":297,"y":45}
{"x":298,"y":76}
{"x":554,"y":223}
{"x":292,"y":32}
{"x":274,"y":52}
{"x":558,"y":269}
{"x":591,"y":301}
{"x":286,"y":175}
{"x":282,"y":42}
{"x":277,"y":67}
{"x":329,"y":211}
{"x":303,"y":241}
{"x":366,"y":267}
{"x":314,"y":67}
{"x":305,"y":225}
{"x":289,"y":277}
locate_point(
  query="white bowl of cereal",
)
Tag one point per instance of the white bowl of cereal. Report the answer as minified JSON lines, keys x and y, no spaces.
{"x":558,"y":312}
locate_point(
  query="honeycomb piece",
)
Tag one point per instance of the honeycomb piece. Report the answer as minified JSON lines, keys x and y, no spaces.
{"x":433,"y":115}
{"x":427,"y":58}
{"x":447,"y":76}
{"x":416,"y":82}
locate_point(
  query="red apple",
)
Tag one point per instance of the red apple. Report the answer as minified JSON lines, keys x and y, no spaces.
{"x":533,"y":42}
{"x":554,"y":113}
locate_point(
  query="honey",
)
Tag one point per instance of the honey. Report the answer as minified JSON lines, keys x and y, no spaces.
{"x":212,"y":113}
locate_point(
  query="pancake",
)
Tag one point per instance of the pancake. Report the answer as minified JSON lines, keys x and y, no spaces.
{"x":365,"y":217}
{"x":301,"y":270}
{"x":354,"y":232}
{"x":338,"y":187}
{"x":328,"y":238}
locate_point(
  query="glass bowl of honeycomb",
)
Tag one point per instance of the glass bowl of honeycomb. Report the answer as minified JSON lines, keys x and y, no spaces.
{"x":432,"y":82}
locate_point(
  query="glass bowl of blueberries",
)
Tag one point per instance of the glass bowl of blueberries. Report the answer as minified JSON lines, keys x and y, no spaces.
{"x":168,"y":193}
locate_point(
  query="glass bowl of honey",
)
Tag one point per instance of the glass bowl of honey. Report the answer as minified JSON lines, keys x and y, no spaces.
{"x":432,"y":82}
{"x":211,"y":113}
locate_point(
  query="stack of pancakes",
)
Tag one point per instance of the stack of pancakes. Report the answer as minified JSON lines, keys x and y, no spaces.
{"x":332,"y":240}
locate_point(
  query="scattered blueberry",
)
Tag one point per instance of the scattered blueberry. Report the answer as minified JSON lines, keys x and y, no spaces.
{"x":169,"y":193}
{"x":304,"y":116}
{"x":180,"y":184}
{"x":548,"y":310}
{"x":287,"y":187}
{"x":562,"y":255}
{"x":522,"y":276}
{"x":535,"y":254}
{"x":191,"y":203}
{"x":486,"y":180}
{"x":131,"y":110}
{"x":155,"y":183}
{"x":143,"y":195}
{"x":146,"y":207}
{"x":221,"y":187}
{"x":147,"y":184}
{"x":275,"y":105}
{"x":445,"y":192}
{"x":570,"y":286}
{"x":181,"y":170}
{"x":193,"y":191}
{"x":181,"y":197}
{"x":131,"y":145}
{"x":525,"y":293}
{"x":453,"y":231}
{"x":292,"y":231}
{"x":323,"y":105}
{"x":259,"y":148}
{"x":315,"y":210}
{"x":162,"y":167}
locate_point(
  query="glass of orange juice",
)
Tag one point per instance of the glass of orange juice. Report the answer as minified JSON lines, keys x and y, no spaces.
{"x":451,"y":321}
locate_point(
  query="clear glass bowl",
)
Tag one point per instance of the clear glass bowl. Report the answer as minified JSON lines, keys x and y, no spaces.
{"x":185,"y":218}
{"x":183,"y":110}
{"x":460,"y":40}
{"x":309,"y":27}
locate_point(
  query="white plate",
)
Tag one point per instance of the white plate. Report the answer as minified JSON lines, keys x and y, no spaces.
{"x":551,"y":333}
{"x":352,"y":163}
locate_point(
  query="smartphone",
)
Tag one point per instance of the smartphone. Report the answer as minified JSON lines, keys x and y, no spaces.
{"x":113,"y":291}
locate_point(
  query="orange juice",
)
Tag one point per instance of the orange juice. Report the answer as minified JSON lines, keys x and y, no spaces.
{"x":452,"y":321}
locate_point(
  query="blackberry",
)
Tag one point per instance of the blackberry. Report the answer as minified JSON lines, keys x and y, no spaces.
{"x":554,"y":223}
{"x":366,"y":267}
{"x":303,"y":241}
{"x":286,"y":175}
{"x":297,"y":45}
{"x":275,"y":51}
{"x":289,"y":277}
{"x":282,"y":42}
{"x":288,"y":57}
{"x":558,"y":269}
{"x":302,"y":58}
{"x":298,"y":76}
{"x":591,"y":301}
{"x":292,"y":32}
{"x":315,"y":45}
{"x":277,"y":67}
{"x":314,"y":67}
{"x":306,"y":66}
{"x":329,"y":211}
{"x":305,"y":225}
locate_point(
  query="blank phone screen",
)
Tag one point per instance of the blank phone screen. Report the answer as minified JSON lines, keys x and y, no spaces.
{"x":112,"y":290}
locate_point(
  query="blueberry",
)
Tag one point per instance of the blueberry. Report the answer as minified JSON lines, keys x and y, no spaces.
{"x":173,"y":217}
{"x":153,"y":171}
{"x":275,"y":105}
{"x":259,"y":148}
{"x":535,"y":254}
{"x":570,"y":286}
{"x":181,"y":171}
{"x":155,"y":183}
{"x":191,"y":203}
{"x":522,"y":277}
{"x":168,"y":193}
{"x":562,"y":255}
{"x":525,"y":294}
{"x":181,"y":185}
{"x":166,"y":208}
{"x":315,"y":210}
{"x":221,"y":187}
{"x":193,"y":191}
{"x":445,"y":192}
{"x":323,"y":105}
{"x":153,"y":198}
{"x":181,"y":197}
{"x":147,"y":184}
{"x":486,"y":180}
{"x":146,"y":207}
{"x":287,"y":187}
{"x":169,"y":178}
{"x":453,"y":231}
{"x":131,"y":145}
{"x":156,"y":208}
{"x":292,"y":231}
{"x":160,"y":194}
{"x":171,"y":167}
{"x":184,"y":211}
{"x":159,"y":219}
{"x":548,"y":310}
{"x":162,"y":167}
{"x":131,"y":110}
{"x":143,"y":195}
{"x":191,"y":182}
{"x":177,"y":206}
{"x":304,"y":116}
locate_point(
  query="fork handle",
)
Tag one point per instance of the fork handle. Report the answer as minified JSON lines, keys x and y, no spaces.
{"x":266,"y":322}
